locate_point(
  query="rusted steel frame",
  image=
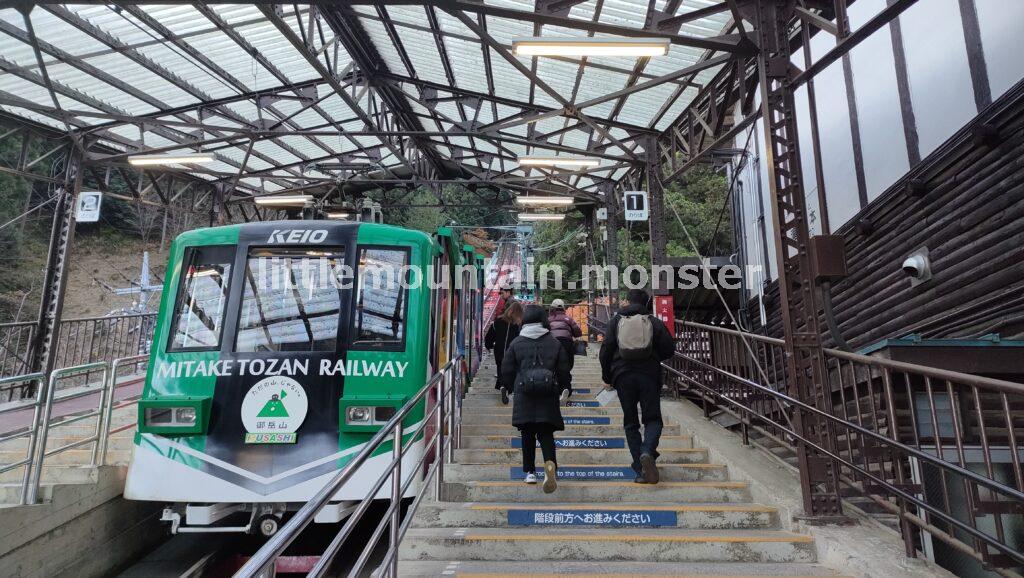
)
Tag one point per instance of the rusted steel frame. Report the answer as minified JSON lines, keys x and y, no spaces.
{"x":933,"y":372}
{"x":865,"y":473}
{"x":720,"y":43}
{"x":537,"y":81}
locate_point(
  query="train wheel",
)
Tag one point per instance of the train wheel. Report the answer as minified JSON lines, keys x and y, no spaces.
{"x":268,"y":525}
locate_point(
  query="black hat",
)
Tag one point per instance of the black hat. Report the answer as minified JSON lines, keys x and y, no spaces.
{"x":638,"y":297}
{"x":535,"y":314}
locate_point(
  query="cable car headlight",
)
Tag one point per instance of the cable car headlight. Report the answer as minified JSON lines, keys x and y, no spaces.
{"x":367,"y":413}
{"x":174,"y":415}
{"x":358,"y":415}
{"x":185,"y":416}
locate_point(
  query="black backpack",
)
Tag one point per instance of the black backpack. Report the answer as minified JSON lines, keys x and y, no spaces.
{"x":537,"y":380}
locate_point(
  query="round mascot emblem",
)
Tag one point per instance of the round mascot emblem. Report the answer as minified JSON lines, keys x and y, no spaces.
{"x":273,"y":410}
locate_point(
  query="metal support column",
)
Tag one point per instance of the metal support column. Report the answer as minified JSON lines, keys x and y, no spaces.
{"x":217,"y":201}
{"x":55,"y":280}
{"x":611,"y":246}
{"x":589,"y":259}
{"x":805,"y":359}
{"x":656,"y":198}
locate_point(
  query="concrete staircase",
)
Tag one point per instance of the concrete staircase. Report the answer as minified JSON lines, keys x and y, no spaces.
{"x":72,"y":466}
{"x":696,"y":522}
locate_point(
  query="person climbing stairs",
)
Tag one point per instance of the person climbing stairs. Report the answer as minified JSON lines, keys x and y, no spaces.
{"x":599,"y":522}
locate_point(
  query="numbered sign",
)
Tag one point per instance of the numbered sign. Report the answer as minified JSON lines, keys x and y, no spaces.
{"x":636,"y":205}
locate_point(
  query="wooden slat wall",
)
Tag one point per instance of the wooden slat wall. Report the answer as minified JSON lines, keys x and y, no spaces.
{"x":971,"y":219}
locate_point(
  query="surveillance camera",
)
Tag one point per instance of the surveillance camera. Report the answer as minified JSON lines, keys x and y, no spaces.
{"x":915,"y":266}
{"x":918,"y":267}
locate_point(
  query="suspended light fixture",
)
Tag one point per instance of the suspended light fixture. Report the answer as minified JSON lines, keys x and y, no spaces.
{"x":545,"y":200}
{"x":340,"y":215}
{"x":284,"y":201}
{"x":575,"y":46}
{"x":172,"y":159}
{"x":541,"y":216}
{"x":559,"y":161}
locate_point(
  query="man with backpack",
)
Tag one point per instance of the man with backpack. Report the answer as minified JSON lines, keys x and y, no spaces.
{"x":634,"y":346}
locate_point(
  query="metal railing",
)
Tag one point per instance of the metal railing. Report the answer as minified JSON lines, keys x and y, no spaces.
{"x":109,"y":405}
{"x":31,"y":434}
{"x":15,"y":354}
{"x":447,"y":384}
{"x":93,"y":339}
{"x":47,"y":408}
{"x":79,"y":341}
{"x":938,"y":449}
{"x":42,"y":424}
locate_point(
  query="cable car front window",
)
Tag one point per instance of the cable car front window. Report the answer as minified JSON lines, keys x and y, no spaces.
{"x":382,"y":298}
{"x":291,"y":300}
{"x":203,"y":293}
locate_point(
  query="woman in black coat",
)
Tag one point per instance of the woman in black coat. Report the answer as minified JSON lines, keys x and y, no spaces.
{"x":538,"y":416}
{"x":499,"y":335}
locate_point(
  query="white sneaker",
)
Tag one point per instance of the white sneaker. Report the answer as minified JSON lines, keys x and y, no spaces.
{"x":530,"y":478}
{"x":564,"y":396}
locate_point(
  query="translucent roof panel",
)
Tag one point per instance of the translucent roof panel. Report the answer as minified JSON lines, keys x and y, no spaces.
{"x":366,"y":78}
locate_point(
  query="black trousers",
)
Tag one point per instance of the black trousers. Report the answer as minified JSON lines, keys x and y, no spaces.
{"x":643,"y":391}
{"x":545,"y":434}
{"x":570,"y":347}
{"x":497,"y":370}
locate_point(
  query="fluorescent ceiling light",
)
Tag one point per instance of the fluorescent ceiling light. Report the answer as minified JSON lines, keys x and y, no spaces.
{"x":354,"y":164}
{"x":545,"y":200}
{"x":186,"y":159}
{"x":573,"y":46}
{"x":541,"y":216}
{"x":285,"y":201}
{"x":211,"y":272}
{"x":563,"y":161}
{"x":338,"y":215}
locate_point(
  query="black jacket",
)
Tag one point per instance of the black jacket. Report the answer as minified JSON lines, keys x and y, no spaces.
{"x":613,"y":367}
{"x":499,"y":335}
{"x":529,"y":410}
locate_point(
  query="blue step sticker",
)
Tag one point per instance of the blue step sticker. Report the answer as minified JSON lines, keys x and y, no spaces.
{"x":583,"y":404}
{"x":580,"y":443}
{"x":581,"y":390}
{"x":582,"y":473}
{"x":587,"y":420}
{"x":556,"y":517}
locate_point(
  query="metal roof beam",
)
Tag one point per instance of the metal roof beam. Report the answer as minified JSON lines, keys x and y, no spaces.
{"x":122,"y":49}
{"x":501,"y":50}
{"x":721,"y":43}
{"x":399,"y":46}
{"x":505,"y":101}
{"x":238,"y":39}
{"x":481,"y":17}
{"x":306,"y":51}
